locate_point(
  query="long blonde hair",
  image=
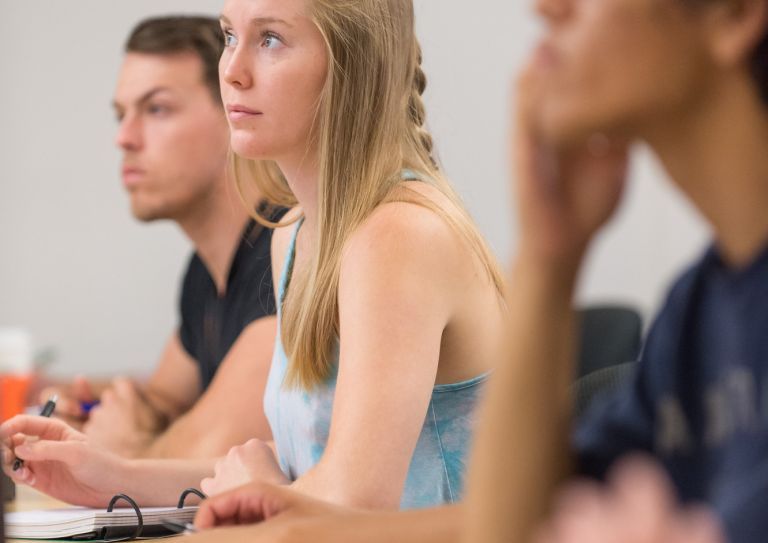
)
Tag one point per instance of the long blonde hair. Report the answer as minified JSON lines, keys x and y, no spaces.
{"x":369,"y":126}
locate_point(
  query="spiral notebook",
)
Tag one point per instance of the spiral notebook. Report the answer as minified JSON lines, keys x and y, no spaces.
{"x":112,"y":524}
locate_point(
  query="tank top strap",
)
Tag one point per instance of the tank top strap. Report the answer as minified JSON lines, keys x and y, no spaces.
{"x":290,"y":255}
{"x":410,"y":175}
{"x":285,"y":277}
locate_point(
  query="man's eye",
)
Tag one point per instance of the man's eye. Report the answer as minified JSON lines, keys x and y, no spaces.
{"x":156,"y":109}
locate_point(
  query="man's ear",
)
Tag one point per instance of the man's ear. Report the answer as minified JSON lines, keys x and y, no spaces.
{"x":735,"y":28}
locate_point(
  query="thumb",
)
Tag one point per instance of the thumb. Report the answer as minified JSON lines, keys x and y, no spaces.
{"x":125,"y":388}
{"x":82,"y":389}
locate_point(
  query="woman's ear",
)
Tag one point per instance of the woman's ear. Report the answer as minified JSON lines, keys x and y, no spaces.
{"x":735,"y":28}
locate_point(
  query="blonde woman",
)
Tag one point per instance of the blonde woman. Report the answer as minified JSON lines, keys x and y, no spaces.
{"x":390,"y":303}
{"x":689,"y":77}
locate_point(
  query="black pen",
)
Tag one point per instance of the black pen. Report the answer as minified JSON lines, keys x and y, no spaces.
{"x":47,"y":411}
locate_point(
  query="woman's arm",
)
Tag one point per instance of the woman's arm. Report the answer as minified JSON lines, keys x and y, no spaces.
{"x":292,"y":517}
{"x":522,"y":442}
{"x":61,"y":462}
{"x":398,"y":289}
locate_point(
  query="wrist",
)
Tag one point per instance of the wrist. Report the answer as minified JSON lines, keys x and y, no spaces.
{"x":555,"y":272}
{"x":143,"y":448}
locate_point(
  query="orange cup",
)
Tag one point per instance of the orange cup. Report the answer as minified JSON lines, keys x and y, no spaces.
{"x":13,"y":394}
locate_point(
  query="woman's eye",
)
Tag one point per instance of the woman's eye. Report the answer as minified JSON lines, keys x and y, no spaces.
{"x":229,"y":39}
{"x":271,"y":41}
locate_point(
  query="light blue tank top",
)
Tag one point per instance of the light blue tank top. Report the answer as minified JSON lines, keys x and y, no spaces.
{"x":300,"y":421}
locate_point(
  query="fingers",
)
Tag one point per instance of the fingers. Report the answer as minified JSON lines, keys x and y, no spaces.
{"x":33,"y":451}
{"x":526,"y":150}
{"x":698,"y":525}
{"x":528,"y":91}
{"x":643,"y":491}
{"x":112,"y":403}
{"x":244,"y":505}
{"x":637,"y":505}
{"x":208,"y":486}
{"x":67,"y":405}
{"x":9,"y":458}
{"x":23,"y":475}
{"x":252,"y":461}
{"x":234,"y":507}
{"x":583,"y":514}
{"x":125,"y":398}
{"x":83,"y":391}
{"x":67,"y":452}
{"x":42,"y":427}
{"x":228,"y":473}
{"x":125,"y":389}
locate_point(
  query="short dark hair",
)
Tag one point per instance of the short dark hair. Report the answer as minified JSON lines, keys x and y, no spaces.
{"x":758,"y":63}
{"x":760,"y":66}
{"x":182,"y":34}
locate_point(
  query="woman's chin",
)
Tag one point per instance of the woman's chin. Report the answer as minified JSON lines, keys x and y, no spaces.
{"x":251,"y":150}
{"x":248,"y":146}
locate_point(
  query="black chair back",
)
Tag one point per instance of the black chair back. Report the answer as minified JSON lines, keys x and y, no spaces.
{"x":605,"y":381}
{"x":610,"y":335}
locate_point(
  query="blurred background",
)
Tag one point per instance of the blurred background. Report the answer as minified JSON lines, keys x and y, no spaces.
{"x":85,"y":278}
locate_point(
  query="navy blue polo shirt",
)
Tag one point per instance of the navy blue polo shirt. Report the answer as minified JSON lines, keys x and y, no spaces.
{"x":699,"y":399}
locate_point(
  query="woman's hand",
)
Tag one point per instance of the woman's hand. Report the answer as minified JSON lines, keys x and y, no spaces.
{"x":565,"y":190}
{"x":637,"y":506}
{"x":276,"y":514}
{"x":59,"y":461}
{"x":250,"y":462}
{"x":257,"y":502}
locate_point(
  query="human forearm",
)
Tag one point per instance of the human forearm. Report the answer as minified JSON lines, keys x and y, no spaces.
{"x":162,"y":403}
{"x":521,"y":445}
{"x":197,"y":429}
{"x":187,"y":438}
{"x":133,"y":415}
{"x":157,"y":483}
{"x":175,"y":385}
{"x":440,"y":525}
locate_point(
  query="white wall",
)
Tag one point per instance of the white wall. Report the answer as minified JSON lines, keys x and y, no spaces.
{"x":84,"y":277}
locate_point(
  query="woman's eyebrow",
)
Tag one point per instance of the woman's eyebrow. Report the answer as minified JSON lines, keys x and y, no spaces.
{"x":259,"y":21}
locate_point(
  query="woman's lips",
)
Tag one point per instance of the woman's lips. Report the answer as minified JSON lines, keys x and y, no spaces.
{"x":236,"y":112}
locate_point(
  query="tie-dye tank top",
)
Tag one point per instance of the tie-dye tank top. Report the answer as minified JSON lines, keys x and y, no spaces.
{"x":300,"y":421}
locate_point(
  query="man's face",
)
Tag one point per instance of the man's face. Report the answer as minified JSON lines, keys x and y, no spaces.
{"x":619,"y":66}
{"x":174,"y":137}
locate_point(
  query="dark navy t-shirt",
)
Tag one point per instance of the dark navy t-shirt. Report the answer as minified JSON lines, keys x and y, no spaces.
{"x":210,"y":324}
{"x":699,"y":399}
